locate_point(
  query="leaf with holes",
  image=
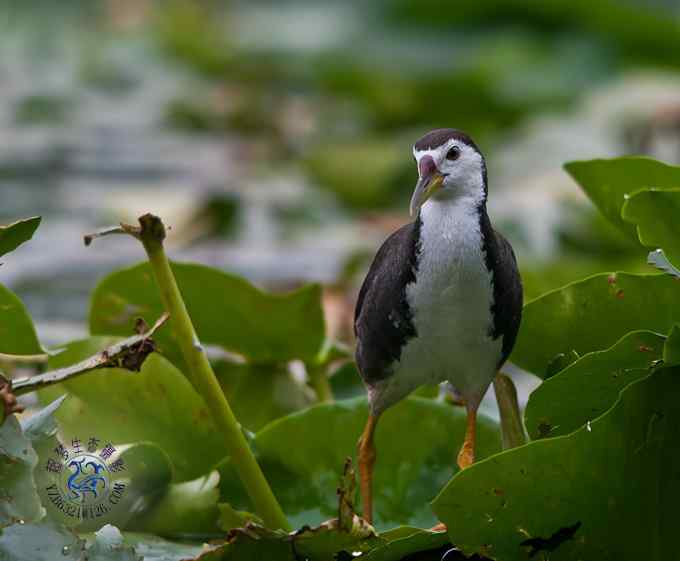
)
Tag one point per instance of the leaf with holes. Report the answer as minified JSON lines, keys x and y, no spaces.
{"x":591,"y":385}
{"x":568,"y":493}
{"x":592,"y":314}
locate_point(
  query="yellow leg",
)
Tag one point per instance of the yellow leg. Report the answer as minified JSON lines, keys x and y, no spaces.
{"x":466,"y":456}
{"x":366,"y":462}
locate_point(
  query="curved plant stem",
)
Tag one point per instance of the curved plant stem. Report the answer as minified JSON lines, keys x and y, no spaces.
{"x":152,"y":234}
{"x":318,"y":379}
{"x":511,"y":419}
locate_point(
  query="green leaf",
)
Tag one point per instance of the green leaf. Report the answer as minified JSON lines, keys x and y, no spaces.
{"x":619,"y":472}
{"x":346,"y":382}
{"x":153,"y":548}
{"x":591,"y":385}
{"x":231,"y":518}
{"x":147,"y":477}
{"x":109,"y":545}
{"x":13,"y":235}
{"x":417,"y":442}
{"x":671,"y":350}
{"x":260,"y":393}
{"x":592,"y":314}
{"x":226,"y":310}
{"x":19,"y":498}
{"x":186,"y":510}
{"x":42,"y":425}
{"x":560,"y":362}
{"x":157,"y":405}
{"x":325,"y":541}
{"x":658,"y":259}
{"x":46,"y":541}
{"x":18,"y":460}
{"x":17,"y":334}
{"x":607,"y":182}
{"x":254,"y":543}
{"x":656,"y":214}
{"x":404,"y":541}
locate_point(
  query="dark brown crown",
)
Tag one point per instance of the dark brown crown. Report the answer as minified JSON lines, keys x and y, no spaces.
{"x":437,"y":137}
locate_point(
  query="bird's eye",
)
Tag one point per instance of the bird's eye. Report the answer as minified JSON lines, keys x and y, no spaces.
{"x":453,"y":154}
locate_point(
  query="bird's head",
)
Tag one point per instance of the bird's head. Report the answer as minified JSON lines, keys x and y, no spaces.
{"x":450,"y":166}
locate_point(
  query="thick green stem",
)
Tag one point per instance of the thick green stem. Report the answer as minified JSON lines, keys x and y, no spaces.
{"x":511,"y":419}
{"x":152,"y":234}
{"x":318,"y":379}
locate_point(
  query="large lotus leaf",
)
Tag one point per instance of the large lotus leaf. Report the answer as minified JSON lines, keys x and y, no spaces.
{"x":187,"y":509}
{"x":417,"y":442}
{"x":146,"y":475}
{"x":19,"y":457}
{"x":17,"y":334}
{"x":45,"y":541}
{"x":260,"y":393}
{"x":591,"y":385}
{"x":607,"y":182}
{"x":226,"y":310}
{"x":253,"y":544}
{"x":325,"y":543}
{"x":608,"y":491}
{"x":593,"y":314}
{"x":50,"y":542}
{"x":404,"y":541}
{"x":153,"y":548}
{"x":656,"y":214}
{"x":13,"y":235}
{"x":19,"y":498}
{"x":671,"y":350}
{"x":157,"y":405}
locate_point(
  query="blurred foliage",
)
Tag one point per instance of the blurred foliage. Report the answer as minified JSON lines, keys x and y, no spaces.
{"x":653,"y":38}
{"x":192,"y":32}
{"x":575,"y":487}
{"x":377,"y":176}
{"x":43,"y":109}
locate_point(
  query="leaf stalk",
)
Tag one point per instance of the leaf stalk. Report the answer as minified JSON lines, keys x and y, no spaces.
{"x":512,"y":429}
{"x":152,"y":233}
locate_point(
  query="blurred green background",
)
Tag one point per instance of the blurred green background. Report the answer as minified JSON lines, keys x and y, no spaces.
{"x":275,"y":137}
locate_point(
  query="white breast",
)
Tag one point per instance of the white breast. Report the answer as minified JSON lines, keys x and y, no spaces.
{"x":451,"y":305}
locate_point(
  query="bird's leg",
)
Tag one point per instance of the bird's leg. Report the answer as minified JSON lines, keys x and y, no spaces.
{"x":466,"y":456}
{"x":366,"y":462}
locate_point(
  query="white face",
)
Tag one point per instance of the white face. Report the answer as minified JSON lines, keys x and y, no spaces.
{"x":462,"y":167}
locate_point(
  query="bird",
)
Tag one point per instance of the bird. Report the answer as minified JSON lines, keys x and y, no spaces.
{"x":442,"y":299}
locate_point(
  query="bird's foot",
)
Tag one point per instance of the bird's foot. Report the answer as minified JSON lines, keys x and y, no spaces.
{"x":466,"y":456}
{"x":439,"y":527}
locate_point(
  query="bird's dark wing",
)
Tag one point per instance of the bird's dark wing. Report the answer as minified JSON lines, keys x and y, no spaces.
{"x":507,"y":287}
{"x":382,"y":319}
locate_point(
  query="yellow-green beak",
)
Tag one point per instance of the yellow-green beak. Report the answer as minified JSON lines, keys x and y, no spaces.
{"x":425,"y":188}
